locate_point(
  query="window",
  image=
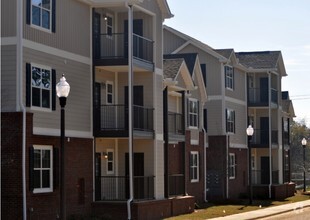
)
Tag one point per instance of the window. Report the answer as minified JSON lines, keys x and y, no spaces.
{"x":109,"y":25}
{"x":253,"y":162}
{"x":230,"y":121}
{"x":110,"y":161}
{"x":40,"y":87}
{"x":42,"y":171}
{"x":109,"y":86}
{"x":194,"y":166}
{"x":193,"y":113}
{"x":41,"y":14}
{"x":229,"y":77}
{"x":232,"y":166}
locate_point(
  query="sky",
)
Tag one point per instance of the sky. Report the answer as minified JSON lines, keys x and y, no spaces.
{"x":255,"y":25}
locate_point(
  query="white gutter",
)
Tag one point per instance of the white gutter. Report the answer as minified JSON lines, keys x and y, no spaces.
{"x":19,"y":64}
{"x":130,"y":136}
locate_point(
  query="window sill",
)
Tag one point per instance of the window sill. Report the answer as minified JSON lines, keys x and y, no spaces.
{"x":41,"y":28}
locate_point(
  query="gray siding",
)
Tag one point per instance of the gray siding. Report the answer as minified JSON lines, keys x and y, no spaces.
{"x":171,"y":42}
{"x":215,"y":117}
{"x":8,"y":18}
{"x":8,"y":78}
{"x":78,"y":109}
{"x":72,"y":29}
{"x":239,"y":87}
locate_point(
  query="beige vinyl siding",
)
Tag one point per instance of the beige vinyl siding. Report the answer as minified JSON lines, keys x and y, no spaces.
{"x":239,"y":137}
{"x":213,"y":67}
{"x":171,"y":42}
{"x":158,"y":108}
{"x":8,"y":78}
{"x":215,"y":118}
{"x":8,"y":18}
{"x":78,"y":108}
{"x":239,"y":86}
{"x":72,"y":29}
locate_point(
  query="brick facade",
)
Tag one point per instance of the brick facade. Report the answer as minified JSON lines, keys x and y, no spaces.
{"x":79,"y":172}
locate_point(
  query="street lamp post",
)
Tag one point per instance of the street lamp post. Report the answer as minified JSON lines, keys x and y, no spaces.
{"x":62,"y":90}
{"x":250,"y":132}
{"x":304,"y":143}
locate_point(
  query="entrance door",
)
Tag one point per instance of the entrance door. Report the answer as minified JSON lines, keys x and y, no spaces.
{"x":137,"y":41}
{"x":264,"y":132}
{"x":98,"y":177}
{"x":264,"y":95}
{"x":96,"y":35}
{"x":138,"y":114}
{"x":265,"y":170}
{"x":138,"y":173}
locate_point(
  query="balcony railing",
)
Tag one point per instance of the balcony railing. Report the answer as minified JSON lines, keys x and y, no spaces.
{"x":261,"y":137}
{"x":286,"y":138}
{"x":176,"y":185}
{"x":116,"y":188}
{"x":115,"y":117}
{"x":262,"y":177}
{"x":115,"y":46}
{"x":176,"y":123}
{"x":260,"y":97}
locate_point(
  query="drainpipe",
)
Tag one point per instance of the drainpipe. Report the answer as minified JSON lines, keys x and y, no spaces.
{"x":19,"y":64}
{"x":270,"y":133}
{"x":205,"y":161}
{"x":130,"y":136}
{"x":227,"y":167}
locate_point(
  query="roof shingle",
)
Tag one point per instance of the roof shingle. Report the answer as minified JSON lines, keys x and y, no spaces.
{"x":259,"y":59}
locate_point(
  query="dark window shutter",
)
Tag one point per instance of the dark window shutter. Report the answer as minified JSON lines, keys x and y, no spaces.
{"x":53,"y":89}
{"x":233,"y":79}
{"x":55,"y":167}
{"x":190,"y":166}
{"x":28,"y":84}
{"x":31,"y":168}
{"x":225,"y":76}
{"x":188,"y":118}
{"x":28,"y":11}
{"x":53,"y":16}
{"x":205,"y":119}
{"x":226,"y":120}
{"x":198,"y":115}
{"x":234,"y":121}
{"x":236,"y":166}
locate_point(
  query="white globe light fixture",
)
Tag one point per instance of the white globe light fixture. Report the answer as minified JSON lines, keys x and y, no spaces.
{"x":250,"y":132}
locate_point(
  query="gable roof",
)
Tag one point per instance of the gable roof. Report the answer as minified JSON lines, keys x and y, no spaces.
{"x":189,"y":58}
{"x":172,"y":67}
{"x":287,"y":104}
{"x":164,"y":7}
{"x":225,"y":52}
{"x":259,"y":59}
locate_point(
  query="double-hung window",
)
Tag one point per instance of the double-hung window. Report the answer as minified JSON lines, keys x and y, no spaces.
{"x":109,"y":86}
{"x":41,"y":14}
{"x":42,"y":172}
{"x":193,"y":113}
{"x":109,"y":25}
{"x":232,"y":166}
{"x":229,"y":77}
{"x":110,"y":161}
{"x":194,"y":166}
{"x":230,"y":121}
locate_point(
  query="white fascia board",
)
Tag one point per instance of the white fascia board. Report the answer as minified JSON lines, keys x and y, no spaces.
{"x":110,"y":3}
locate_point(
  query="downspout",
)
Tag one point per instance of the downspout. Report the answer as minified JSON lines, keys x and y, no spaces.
{"x":270,"y":152}
{"x":205,"y":158}
{"x":19,"y":64}
{"x":130,"y":135}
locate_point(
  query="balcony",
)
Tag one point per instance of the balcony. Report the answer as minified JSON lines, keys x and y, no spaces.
{"x":260,"y":138}
{"x":112,"y":121}
{"x":258,"y":97}
{"x":176,"y":185}
{"x":176,"y":127}
{"x":261,"y":177}
{"x":112,"y":50}
{"x":116,"y":188}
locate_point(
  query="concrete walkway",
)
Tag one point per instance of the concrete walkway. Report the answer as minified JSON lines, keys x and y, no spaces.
{"x":266,"y":212}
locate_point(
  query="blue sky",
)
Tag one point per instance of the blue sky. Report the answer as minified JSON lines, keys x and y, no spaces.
{"x":255,"y":25}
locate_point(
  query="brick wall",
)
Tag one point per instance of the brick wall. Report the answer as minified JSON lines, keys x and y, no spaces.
{"x":78,"y":172}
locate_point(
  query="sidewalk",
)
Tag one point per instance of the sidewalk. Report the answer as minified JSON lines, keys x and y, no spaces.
{"x":266,"y":212}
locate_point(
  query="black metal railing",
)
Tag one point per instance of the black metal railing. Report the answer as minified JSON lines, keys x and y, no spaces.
{"x":176,"y":123}
{"x":262,"y":177}
{"x":260,"y":97}
{"x":286,"y":138}
{"x":176,"y":184}
{"x":115,"y":117}
{"x":115,"y":45}
{"x":116,"y":188}
{"x":261,"y":137}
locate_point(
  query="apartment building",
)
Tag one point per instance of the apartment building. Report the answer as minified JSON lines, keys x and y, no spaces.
{"x":111,"y":55}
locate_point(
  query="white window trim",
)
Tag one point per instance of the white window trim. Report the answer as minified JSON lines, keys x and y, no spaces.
{"x":37,"y":108}
{"x":50,"y":189}
{"x":190,"y":113}
{"x":232,"y":166}
{"x":196,"y":153}
{"x":107,"y":93}
{"x":110,"y":161}
{"x":108,"y":15}
{"x":40,"y":27}
{"x":230,"y":78}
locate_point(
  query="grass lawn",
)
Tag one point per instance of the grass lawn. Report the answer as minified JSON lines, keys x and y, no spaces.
{"x":214,"y":210}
